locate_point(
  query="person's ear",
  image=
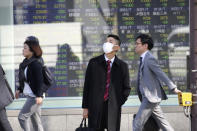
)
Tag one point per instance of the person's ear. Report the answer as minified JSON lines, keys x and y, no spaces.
{"x":116,"y":47}
{"x":146,"y":45}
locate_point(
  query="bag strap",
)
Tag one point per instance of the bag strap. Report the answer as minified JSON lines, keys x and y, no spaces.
{"x":83,"y":123}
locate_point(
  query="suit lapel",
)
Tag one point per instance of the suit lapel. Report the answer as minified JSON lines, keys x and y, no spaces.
{"x":102,"y":62}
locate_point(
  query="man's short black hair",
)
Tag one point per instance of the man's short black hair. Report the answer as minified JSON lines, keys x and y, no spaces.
{"x":146,"y":39}
{"x":115,"y":37}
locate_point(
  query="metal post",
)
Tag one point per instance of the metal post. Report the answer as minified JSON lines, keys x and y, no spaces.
{"x":193,"y":65}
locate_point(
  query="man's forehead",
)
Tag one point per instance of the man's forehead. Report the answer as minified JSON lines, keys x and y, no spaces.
{"x":111,"y":38}
{"x":138,"y":40}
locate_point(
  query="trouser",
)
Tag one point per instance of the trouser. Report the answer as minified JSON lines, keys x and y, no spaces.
{"x":104,"y":119}
{"x":4,"y":123}
{"x":33,"y":111}
{"x":145,"y":111}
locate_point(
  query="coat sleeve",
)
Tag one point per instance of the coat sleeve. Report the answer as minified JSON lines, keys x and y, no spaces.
{"x":126,"y":84}
{"x":154,"y":66}
{"x":86,"y":86}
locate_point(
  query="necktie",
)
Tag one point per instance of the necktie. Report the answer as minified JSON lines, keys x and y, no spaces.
{"x":107,"y":81}
{"x":138,"y":78}
{"x":140,"y":62}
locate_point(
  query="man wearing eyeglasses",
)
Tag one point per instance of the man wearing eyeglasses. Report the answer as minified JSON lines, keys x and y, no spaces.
{"x":149,"y":87}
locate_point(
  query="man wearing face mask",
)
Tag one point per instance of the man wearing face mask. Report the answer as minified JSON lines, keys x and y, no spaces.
{"x":106,"y":88}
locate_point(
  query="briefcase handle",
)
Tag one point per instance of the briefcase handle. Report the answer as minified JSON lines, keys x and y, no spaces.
{"x":83,"y":123}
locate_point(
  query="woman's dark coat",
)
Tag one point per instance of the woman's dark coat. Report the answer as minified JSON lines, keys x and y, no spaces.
{"x":34,"y":76}
{"x":94,"y":88}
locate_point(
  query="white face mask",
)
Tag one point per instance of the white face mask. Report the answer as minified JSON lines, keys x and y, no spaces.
{"x":107,"y":47}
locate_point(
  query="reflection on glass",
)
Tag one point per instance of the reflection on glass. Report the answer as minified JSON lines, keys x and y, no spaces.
{"x":83,"y":25}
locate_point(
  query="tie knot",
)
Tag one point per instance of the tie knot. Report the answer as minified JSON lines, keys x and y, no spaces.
{"x":108,"y":62}
{"x":140,"y":59}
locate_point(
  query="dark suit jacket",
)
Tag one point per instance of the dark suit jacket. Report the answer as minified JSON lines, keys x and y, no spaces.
{"x":94,"y":88}
{"x":34,"y":78}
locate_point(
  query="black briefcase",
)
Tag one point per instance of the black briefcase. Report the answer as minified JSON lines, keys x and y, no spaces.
{"x":83,"y":126}
{"x":150,"y":125}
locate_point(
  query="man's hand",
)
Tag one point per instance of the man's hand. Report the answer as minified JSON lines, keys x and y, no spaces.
{"x":85,"y":113}
{"x":176,"y":91}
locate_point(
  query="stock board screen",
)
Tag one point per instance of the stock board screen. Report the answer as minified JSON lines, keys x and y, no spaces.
{"x":167,"y":21}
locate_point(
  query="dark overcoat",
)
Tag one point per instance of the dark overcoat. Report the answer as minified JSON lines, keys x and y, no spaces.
{"x":94,"y":88}
{"x":34,"y":76}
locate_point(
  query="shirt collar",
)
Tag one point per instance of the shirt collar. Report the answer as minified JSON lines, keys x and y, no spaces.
{"x":112,"y":60}
{"x":144,"y":54}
